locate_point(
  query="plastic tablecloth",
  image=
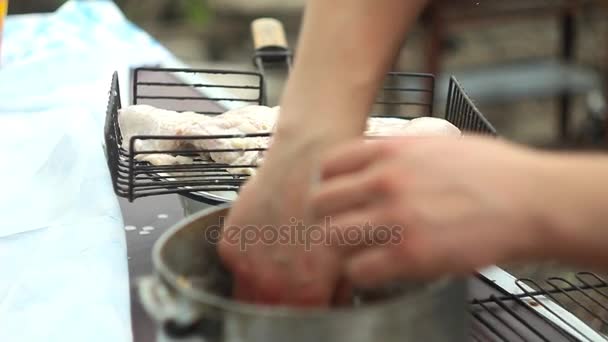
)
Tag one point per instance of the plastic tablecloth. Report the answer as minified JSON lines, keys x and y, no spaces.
{"x":63,"y":264}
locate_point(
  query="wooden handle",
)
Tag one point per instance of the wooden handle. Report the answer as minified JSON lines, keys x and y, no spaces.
{"x":268,"y":32}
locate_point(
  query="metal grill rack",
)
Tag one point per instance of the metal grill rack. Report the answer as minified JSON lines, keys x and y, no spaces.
{"x":198,"y":90}
{"x":404,"y":95}
{"x":502,"y":316}
{"x":462,"y":112}
{"x":133,"y":178}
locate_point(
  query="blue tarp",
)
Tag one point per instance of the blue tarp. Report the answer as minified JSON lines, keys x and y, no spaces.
{"x":63,"y":263}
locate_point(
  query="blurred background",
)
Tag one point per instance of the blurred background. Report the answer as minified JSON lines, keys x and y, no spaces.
{"x":536,"y":68}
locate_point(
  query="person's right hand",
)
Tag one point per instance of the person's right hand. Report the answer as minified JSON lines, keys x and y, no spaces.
{"x":459,"y":204}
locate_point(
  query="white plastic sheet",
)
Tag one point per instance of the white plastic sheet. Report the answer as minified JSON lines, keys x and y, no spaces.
{"x":63,"y":263}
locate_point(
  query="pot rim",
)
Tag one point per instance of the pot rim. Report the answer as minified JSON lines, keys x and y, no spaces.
{"x":222,"y":304}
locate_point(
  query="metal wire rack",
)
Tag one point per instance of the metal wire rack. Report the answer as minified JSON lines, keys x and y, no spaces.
{"x":501,"y":316}
{"x":406,"y":95}
{"x":176,"y":89}
{"x":462,"y":112}
{"x":133,"y":178}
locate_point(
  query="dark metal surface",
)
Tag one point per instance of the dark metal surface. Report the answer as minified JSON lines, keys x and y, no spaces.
{"x":461,"y":111}
{"x":157,"y":86}
{"x":499,"y":316}
{"x":568,"y":35}
{"x":586,"y":296}
{"x":145,"y":213}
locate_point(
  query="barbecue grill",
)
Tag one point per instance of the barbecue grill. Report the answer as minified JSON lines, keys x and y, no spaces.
{"x":502,"y":309}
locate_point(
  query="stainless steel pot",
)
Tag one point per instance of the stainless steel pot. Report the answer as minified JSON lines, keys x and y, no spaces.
{"x":192,"y":206}
{"x":188,"y":298}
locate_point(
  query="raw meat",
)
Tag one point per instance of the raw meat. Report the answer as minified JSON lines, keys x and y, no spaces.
{"x":164,"y":159}
{"x":147,"y":120}
{"x":428,"y":126}
{"x":385,"y":126}
{"x":241,"y":121}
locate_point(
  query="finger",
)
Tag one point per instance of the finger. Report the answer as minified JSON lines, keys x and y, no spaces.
{"x":344,"y":293}
{"x":353,"y":191}
{"x":352,"y":157}
{"x":374,"y":267}
{"x":242,"y":291}
{"x":454,"y":252}
{"x":357,"y":229}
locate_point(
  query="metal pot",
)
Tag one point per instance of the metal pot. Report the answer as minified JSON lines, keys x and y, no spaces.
{"x":189,"y":298}
{"x":191,"y":205}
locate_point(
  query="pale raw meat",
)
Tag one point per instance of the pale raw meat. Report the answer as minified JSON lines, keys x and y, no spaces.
{"x":429,"y":126}
{"x":385,"y":126}
{"x":148,"y":120}
{"x":164,"y":159}
{"x":245,"y":120}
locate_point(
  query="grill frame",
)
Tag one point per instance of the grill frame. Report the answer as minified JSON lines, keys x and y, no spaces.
{"x":549,"y":318}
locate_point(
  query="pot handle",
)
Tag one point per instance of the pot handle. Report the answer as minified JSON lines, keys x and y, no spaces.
{"x":177,"y":318}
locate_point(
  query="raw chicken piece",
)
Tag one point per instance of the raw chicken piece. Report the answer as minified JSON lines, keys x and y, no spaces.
{"x":142,"y":119}
{"x":148,"y":120}
{"x":380,"y":126}
{"x":245,"y":120}
{"x":385,"y":126}
{"x":164,"y":159}
{"x":261,"y":118}
{"x":429,"y":126}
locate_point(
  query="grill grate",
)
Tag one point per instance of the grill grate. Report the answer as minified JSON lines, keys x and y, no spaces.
{"x":501,"y":316}
{"x":133,"y":178}
{"x":461,"y":111}
{"x":180,"y":89}
{"x":405,"y":95}
{"x":183,"y":90}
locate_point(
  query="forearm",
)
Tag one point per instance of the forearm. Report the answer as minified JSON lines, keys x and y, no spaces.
{"x":345,"y":49}
{"x":576,"y":203}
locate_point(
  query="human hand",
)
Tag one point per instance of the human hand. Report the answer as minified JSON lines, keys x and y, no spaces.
{"x":270,"y":269}
{"x":460,"y":204}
